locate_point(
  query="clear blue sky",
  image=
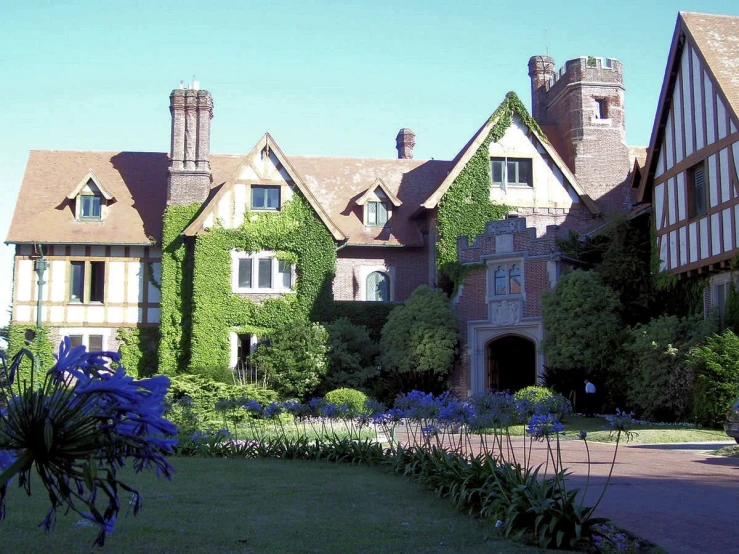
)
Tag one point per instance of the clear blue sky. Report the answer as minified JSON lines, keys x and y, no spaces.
{"x":324,"y":77}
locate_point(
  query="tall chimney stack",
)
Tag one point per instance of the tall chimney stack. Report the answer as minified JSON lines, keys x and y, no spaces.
{"x":541,"y":70}
{"x":404,"y":142}
{"x":189,"y":166}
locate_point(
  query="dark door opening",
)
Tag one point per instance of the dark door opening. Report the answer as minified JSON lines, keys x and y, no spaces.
{"x":511,"y":364}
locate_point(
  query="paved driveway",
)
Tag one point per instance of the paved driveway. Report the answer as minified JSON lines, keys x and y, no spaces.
{"x":678,"y":496}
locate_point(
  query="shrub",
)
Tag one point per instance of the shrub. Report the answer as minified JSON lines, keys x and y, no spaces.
{"x":354,"y":400}
{"x":657,"y":385}
{"x":541,"y":400}
{"x":192,"y":400}
{"x":716,"y":366}
{"x":418,"y":343}
{"x":351,"y":356}
{"x":295,"y":360}
{"x":582,"y":320}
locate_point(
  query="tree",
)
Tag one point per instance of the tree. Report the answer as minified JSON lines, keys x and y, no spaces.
{"x":295,"y":359}
{"x":581,"y":318}
{"x":716,"y":366}
{"x":418,"y":342}
{"x":351,"y":356}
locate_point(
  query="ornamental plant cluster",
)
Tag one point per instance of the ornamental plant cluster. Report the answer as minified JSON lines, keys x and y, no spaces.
{"x":640,"y":337}
{"x":462,"y":450}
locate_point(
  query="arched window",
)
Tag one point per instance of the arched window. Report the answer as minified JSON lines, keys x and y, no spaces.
{"x":378,"y":287}
{"x":500,"y":284}
{"x":514,"y":280}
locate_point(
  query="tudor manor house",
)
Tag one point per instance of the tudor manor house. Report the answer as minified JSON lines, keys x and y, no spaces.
{"x":93,"y":223}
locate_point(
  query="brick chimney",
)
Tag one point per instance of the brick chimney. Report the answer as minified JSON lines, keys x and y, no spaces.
{"x":189,"y":167}
{"x":541,"y":69}
{"x":404,"y":142}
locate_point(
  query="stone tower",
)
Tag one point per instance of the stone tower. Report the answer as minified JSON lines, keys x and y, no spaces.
{"x":584,"y":100}
{"x":189,"y":167}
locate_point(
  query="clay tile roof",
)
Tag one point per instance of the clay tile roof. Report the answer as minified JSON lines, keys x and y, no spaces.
{"x":137,"y":180}
{"x":717,"y":38}
{"x":338,"y":183}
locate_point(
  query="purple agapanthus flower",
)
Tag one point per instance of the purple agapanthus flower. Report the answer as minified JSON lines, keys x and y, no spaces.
{"x":95,"y":419}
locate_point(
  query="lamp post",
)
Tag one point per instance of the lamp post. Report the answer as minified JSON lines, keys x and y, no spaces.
{"x":40,"y":265}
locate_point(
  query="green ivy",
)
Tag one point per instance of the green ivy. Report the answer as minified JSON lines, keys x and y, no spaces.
{"x":176,"y":290}
{"x":295,"y":233}
{"x":371,"y":315}
{"x":41,"y":347}
{"x":466,"y":207}
{"x":138,"y":350}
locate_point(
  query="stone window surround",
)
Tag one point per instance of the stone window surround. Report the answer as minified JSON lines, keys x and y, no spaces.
{"x":364,"y":271}
{"x":505,"y":261}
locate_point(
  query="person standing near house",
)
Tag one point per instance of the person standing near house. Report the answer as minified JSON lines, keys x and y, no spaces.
{"x":589,"y":398}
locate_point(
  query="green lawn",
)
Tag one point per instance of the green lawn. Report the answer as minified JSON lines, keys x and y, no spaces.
{"x":645,"y":434}
{"x":230,"y":505}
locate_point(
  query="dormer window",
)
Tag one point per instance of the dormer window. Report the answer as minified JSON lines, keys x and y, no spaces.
{"x":378,"y":202}
{"x":377,"y":214}
{"x":90,"y":207}
{"x":90,"y":199}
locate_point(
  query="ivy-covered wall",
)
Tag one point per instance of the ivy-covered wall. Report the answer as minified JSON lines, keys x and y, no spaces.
{"x":176,"y":290}
{"x":295,"y":234}
{"x":139,"y":350}
{"x":466,"y":206}
{"x":42,"y":348}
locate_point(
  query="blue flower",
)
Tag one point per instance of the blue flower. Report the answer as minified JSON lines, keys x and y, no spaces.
{"x":94,"y":419}
{"x":253,"y":407}
{"x":273,"y":410}
{"x":543,"y":426}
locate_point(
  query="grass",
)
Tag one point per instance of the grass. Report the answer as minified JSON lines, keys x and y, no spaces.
{"x":727,"y":451}
{"x":645,"y":433}
{"x":231,"y":505}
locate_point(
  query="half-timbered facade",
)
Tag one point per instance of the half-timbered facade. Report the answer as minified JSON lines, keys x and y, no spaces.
{"x":690,"y":176}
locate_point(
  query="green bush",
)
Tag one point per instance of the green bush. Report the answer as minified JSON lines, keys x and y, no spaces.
{"x":659,"y":383}
{"x":192,"y":400}
{"x":351,"y":356}
{"x":418,"y":343}
{"x":354,"y":400}
{"x":716,"y":367}
{"x":295,"y":359}
{"x":580,"y":317}
{"x":542,"y":400}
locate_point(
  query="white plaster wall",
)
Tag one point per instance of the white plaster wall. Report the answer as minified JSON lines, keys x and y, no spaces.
{"x":549,"y":186}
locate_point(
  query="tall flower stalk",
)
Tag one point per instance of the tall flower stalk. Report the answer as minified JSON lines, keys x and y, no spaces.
{"x":77,"y":428}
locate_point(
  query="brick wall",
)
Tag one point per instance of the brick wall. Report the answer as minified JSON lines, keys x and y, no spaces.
{"x":409,"y":265}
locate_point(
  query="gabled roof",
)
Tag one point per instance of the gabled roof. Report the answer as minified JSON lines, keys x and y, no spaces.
{"x":716,"y":41}
{"x":469,"y":150}
{"x":83,"y":183}
{"x":379,"y":183}
{"x":266,"y":143}
{"x":44,"y":214}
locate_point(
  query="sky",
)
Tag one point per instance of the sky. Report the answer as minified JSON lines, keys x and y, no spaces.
{"x":323,"y":77}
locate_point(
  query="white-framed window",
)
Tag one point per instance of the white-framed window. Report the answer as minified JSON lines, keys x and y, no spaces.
{"x":260,"y":272}
{"x":516,"y":172}
{"x":506,"y":278}
{"x":376,"y":213}
{"x":94,"y":339}
{"x":378,"y":287}
{"x":86,"y":281}
{"x":265,"y":197}
{"x":376,"y":283}
{"x":90,"y":207}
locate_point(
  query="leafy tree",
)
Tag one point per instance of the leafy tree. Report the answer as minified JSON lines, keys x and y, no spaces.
{"x":418,"y":343}
{"x":660,"y":385}
{"x":581,"y":316}
{"x":295,"y":360}
{"x":351,"y":356}
{"x":716,"y":366}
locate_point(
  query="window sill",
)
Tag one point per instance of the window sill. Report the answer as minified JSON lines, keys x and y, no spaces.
{"x":263,"y":291}
{"x":501,"y":297}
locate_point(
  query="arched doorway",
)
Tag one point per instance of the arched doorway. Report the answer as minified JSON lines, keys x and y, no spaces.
{"x":511,"y":363}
